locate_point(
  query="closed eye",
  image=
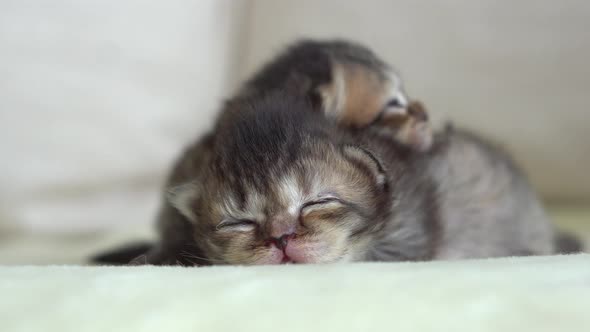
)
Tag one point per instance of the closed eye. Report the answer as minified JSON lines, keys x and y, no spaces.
{"x":398,"y":104}
{"x":321,"y":204}
{"x":324,"y":200}
{"x":395,"y":107}
{"x":394,"y":103}
{"x":238,"y":225}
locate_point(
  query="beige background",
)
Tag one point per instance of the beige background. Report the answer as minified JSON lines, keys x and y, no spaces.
{"x":96,"y":98}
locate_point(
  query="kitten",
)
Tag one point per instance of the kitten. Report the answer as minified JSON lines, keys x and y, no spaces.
{"x":349,"y":84}
{"x":286,"y":185}
{"x":443,"y":207}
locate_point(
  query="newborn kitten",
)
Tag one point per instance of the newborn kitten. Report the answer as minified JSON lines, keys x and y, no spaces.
{"x":349,"y":84}
{"x":344,"y":81}
{"x":285,"y":185}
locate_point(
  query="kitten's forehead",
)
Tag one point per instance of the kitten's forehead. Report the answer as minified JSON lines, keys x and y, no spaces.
{"x":294,"y":190}
{"x":249,"y":204}
{"x":287,"y":193}
{"x":287,"y":196}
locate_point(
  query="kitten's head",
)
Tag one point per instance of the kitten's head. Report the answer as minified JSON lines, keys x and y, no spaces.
{"x":283,"y":186}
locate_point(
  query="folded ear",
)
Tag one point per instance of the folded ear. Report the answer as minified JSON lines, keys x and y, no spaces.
{"x":368,"y":160}
{"x":183,"y":198}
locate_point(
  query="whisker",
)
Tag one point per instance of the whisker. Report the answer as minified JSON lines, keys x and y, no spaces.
{"x":192,"y":262}
{"x":187,"y":254}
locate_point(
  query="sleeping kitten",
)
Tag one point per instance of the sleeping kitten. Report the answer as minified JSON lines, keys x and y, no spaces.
{"x":349,"y":84}
{"x":344,"y":81}
{"x":285,"y":185}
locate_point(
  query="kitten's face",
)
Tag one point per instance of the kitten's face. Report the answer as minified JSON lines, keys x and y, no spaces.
{"x":321,"y":208}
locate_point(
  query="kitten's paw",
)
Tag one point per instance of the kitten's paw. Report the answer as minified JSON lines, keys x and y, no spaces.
{"x":411,"y":128}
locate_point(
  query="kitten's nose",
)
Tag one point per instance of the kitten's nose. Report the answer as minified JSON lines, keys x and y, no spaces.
{"x":282,"y":241}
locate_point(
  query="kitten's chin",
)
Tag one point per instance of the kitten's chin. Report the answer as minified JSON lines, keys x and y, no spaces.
{"x":273,"y":256}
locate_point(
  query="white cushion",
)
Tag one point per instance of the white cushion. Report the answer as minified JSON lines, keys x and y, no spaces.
{"x":98,"y":97}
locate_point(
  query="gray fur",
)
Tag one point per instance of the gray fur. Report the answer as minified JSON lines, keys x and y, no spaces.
{"x":487,"y":207}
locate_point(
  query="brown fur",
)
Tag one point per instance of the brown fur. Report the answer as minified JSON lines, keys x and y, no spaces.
{"x":362,"y":97}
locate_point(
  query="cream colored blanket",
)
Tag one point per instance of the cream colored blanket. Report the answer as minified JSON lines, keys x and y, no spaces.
{"x":512,"y":294}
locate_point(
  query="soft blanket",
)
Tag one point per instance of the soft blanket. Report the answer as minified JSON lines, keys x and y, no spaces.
{"x":511,"y":294}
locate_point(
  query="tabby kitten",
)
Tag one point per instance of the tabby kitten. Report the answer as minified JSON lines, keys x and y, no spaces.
{"x":301,"y":167}
{"x":286,"y":185}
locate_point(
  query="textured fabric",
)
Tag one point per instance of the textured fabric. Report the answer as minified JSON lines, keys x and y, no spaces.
{"x":512,"y":294}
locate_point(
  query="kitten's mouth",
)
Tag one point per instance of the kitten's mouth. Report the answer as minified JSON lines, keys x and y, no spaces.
{"x":282,"y":243}
{"x":287,"y":260}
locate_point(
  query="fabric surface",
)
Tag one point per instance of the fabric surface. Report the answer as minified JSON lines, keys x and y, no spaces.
{"x":512,"y":294}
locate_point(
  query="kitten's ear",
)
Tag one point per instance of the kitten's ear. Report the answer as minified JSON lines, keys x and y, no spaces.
{"x":182,"y":197}
{"x":368,"y":160}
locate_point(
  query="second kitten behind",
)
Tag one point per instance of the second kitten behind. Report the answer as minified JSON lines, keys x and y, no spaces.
{"x":350,"y":84}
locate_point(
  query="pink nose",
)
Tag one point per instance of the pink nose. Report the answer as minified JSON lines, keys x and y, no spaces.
{"x":282,"y":241}
{"x":280,"y":229}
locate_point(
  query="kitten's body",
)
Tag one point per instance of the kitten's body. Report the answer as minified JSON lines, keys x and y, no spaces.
{"x":488,"y":207}
{"x":484,"y":205}
{"x":463,"y":199}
